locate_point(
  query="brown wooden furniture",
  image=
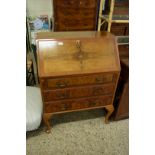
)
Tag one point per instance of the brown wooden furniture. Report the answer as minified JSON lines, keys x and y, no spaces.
{"x":75,"y":15}
{"x":123,"y":51}
{"x":121,"y":102}
{"x":77,"y":71}
{"x":120,"y":29}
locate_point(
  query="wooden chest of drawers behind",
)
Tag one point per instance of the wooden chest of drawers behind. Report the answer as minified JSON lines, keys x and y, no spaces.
{"x":73,"y":15}
{"x":77,"y":71}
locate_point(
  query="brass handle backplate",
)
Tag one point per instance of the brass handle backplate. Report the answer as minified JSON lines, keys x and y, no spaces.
{"x":92,"y":103}
{"x":62,"y":95}
{"x":97,"y":91}
{"x":99,"y":80}
{"x":78,"y":45}
{"x":61,"y":84}
{"x":65,"y":106}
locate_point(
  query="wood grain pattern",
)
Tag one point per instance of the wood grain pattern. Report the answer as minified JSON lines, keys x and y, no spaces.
{"x":77,"y":71}
{"x":76,"y":4}
{"x":69,"y":81}
{"x":120,"y":29}
{"x":76,"y":92}
{"x":75,"y":15}
{"x":59,"y":56}
{"x":66,"y":13}
{"x":76,"y":104}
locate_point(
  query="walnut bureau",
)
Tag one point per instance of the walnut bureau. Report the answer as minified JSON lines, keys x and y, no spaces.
{"x":77,"y":71}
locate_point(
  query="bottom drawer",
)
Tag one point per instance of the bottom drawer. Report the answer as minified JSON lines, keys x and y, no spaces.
{"x":76,"y":104}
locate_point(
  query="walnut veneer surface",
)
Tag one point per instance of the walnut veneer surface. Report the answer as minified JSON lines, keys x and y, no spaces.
{"x":75,"y":15}
{"x":77,"y":71}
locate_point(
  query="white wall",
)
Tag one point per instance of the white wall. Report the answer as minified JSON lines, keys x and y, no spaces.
{"x":39,"y":7}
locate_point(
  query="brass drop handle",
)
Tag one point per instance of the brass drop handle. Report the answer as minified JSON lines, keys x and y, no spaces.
{"x":99,"y":80}
{"x":62,"y":95}
{"x":61,"y":84}
{"x":92,"y":103}
{"x":65,"y":106}
{"x":97,"y":91}
{"x":80,"y":53}
{"x":78,"y":44}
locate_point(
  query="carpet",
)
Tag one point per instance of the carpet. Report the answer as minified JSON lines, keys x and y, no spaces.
{"x":80,"y":133}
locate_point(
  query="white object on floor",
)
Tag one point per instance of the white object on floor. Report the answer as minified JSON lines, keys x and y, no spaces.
{"x":34,"y":108}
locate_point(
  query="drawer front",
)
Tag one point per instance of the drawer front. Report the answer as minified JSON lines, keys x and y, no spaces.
{"x":72,"y":14}
{"x":86,"y":26}
{"x":119,"y":28}
{"x":75,"y":104}
{"x":77,"y":92}
{"x":66,"y":24}
{"x":75,"y":3}
{"x":65,"y":82}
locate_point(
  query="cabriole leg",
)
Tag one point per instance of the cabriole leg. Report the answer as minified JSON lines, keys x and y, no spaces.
{"x":46,"y":118}
{"x":110,"y":109}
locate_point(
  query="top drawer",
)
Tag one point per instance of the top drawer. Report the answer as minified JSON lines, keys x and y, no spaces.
{"x":63,"y":82}
{"x":76,"y":3}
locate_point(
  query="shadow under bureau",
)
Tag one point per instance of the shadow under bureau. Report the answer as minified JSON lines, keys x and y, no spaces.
{"x":77,"y":71}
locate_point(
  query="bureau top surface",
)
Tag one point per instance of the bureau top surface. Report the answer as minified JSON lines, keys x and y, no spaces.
{"x":69,"y":53}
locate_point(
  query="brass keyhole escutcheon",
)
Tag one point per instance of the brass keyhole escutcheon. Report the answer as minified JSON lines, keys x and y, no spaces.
{"x":78,"y":45}
{"x":80,"y":54}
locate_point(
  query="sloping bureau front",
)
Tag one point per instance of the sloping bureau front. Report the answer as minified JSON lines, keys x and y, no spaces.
{"x":77,"y":71}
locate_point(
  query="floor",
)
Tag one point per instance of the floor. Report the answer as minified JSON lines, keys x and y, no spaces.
{"x":80,"y":133}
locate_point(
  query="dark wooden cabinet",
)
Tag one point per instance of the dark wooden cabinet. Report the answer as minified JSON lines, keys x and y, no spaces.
{"x":77,"y":71}
{"x":75,"y":15}
{"x":122,"y":110}
{"x":123,"y":51}
{"x":121,"y":102}
{"x":120,"y":29}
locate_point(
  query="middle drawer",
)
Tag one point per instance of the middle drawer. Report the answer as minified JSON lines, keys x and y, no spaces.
{"x":77,"y":92}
